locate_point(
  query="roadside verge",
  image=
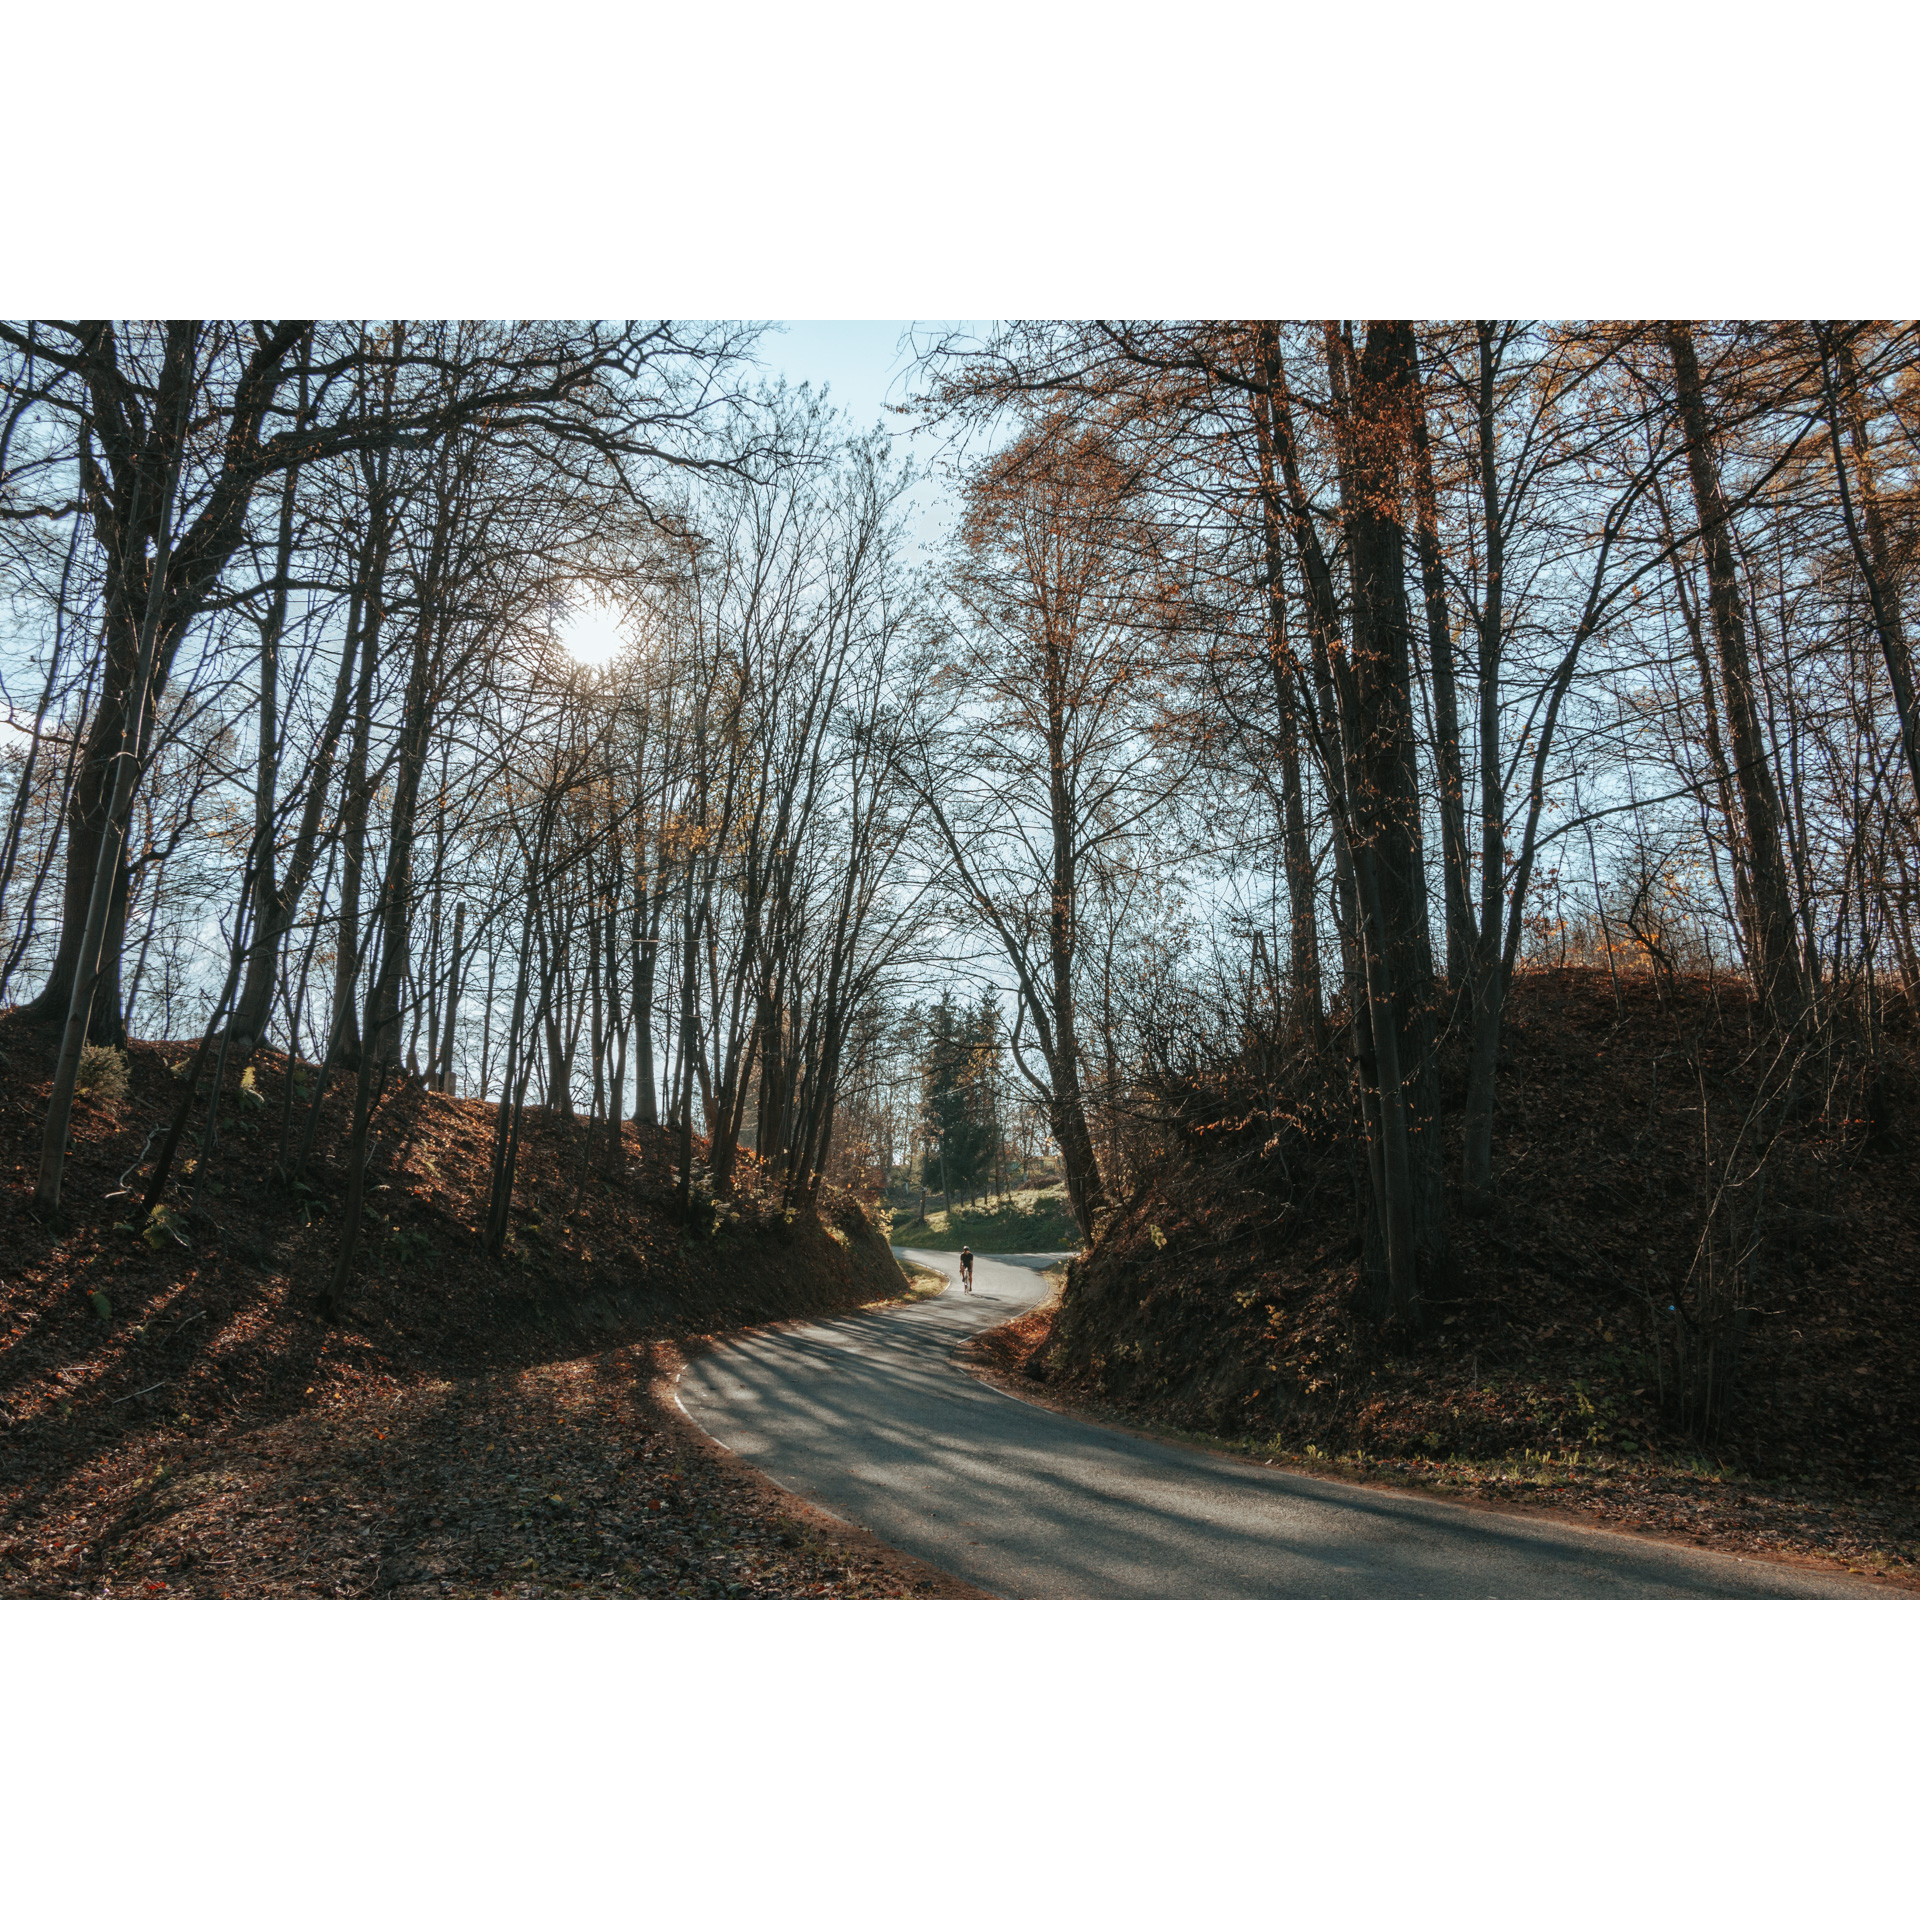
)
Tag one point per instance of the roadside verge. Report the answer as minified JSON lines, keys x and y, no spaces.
{"x":1653,"y":1499}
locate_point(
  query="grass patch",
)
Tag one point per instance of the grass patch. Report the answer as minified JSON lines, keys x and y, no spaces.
{"x":923,"y":1283}
{"x":102,"y":1075}
{"x":1033,"y":1222}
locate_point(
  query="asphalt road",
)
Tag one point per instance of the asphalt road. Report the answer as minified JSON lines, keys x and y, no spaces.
{"x":867,"y":1416}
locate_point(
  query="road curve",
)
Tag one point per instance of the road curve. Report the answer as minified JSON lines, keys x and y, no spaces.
{"x":867,"y":1416}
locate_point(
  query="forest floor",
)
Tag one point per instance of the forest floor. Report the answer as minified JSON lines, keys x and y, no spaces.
{"x":176,"y":1421}
{"x":1216,"y":1307}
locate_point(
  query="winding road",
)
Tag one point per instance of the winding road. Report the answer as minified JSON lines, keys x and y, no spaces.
{"x":867,"y":1416}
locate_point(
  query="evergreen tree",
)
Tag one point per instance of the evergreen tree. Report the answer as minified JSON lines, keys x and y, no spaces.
{"x":956,"y":1095}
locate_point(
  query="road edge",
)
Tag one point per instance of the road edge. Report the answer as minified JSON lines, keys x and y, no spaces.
{"x":827,"y":1530}
{"x":1075,"y":1407}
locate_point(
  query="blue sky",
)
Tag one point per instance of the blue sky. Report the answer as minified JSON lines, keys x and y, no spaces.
{"x":863,"y":368}
{"x":857,"y":360}
{"x":866,"y":367}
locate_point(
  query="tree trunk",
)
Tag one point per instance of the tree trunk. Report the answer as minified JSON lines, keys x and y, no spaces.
{"x":251,"y":1012}
{"x":441,"y":1073}
{"x":380,"y":1046}
{"x":1778,"y":981}
{"x":1487,"y":982}
{"x":139,"y":651}
{"x":1872,"y":555}
{"x":1454,"y":862}
{"x":281,"y":902}
{"x":23,"y":793}
{"x":1384,"y":790}
{"x":1332,"y":722}
{"x":358,"y":797}
{"x":689,"y":1044}
{"x":647,"y":913}
{"x":1303,"y":947}
{"x":513,"y":1090}
{"x":1731,"y":825}
{"x":1070,"y":1127}
{"x":88,"y":968}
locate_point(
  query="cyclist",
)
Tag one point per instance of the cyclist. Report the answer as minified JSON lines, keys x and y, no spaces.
{"x":966,"y":1268}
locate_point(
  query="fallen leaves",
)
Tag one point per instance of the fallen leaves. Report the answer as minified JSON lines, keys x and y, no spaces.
{"x":1542,"y":1386}
{"x":473,"y":1427}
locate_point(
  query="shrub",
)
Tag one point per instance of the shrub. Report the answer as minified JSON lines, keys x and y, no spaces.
{"x":103,"y":1075}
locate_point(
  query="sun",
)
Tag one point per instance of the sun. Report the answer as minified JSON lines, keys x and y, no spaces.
{"x":592,"y":629}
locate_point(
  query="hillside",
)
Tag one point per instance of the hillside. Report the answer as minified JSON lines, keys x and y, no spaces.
{"x":1031,"y":1221}
{"x":1223,"y":1296}
{"x":175,"y":1419}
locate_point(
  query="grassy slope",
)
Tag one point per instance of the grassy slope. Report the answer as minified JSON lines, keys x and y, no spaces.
{"x":1032,"y":1222}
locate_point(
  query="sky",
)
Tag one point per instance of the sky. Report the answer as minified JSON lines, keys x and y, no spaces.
{"x":860,"y":362}
{"x":863,"y":367}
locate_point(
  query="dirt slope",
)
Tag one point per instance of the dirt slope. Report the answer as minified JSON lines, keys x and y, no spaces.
{"x":1225,"y":1300}
{"x":174,"y":1418}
